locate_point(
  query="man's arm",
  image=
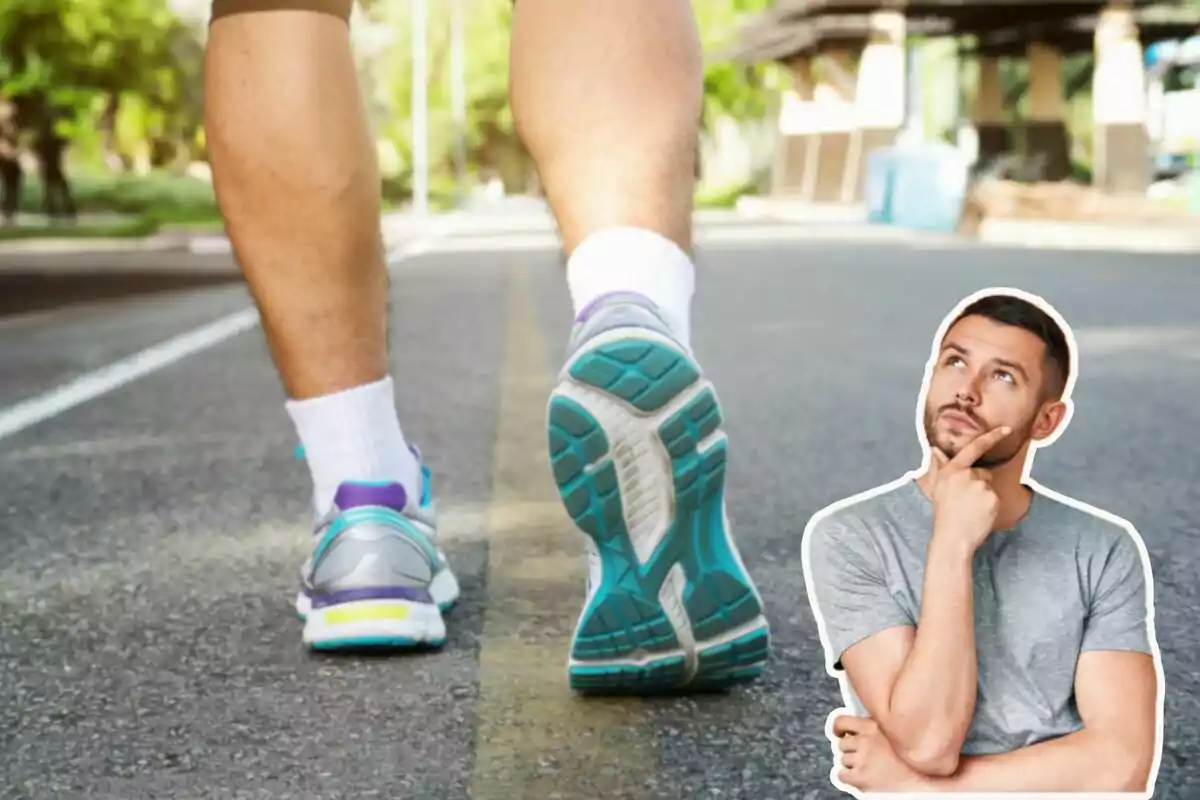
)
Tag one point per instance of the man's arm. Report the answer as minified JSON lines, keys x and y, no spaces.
{"x":922,"y":691}
{"x":1117,"y":695}
{"x":1116,"y":692}
{"x":920,"y":685}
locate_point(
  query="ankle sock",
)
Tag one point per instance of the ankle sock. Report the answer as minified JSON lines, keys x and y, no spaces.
{"x":635,"y":260}
{"x":354,"y":435}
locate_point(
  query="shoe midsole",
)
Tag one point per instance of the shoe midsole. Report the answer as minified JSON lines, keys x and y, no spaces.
{"x":443,"y":591}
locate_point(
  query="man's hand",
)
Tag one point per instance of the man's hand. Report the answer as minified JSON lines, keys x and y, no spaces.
{"x":869,"y":763}
{"x":964,"y":503}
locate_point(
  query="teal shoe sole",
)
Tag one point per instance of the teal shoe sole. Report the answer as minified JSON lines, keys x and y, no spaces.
{"x":625,"y":641}
{"x":374,"y":643}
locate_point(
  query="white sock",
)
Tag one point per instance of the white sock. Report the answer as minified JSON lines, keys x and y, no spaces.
{"x":354,"y":435}
{"x":635,"y":260}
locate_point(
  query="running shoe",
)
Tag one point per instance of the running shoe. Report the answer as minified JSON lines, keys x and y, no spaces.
{"x":639,"y":457}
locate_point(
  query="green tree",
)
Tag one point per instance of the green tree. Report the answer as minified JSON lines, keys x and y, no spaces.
{"x":91,"y":58}
{"x":731,"y":90}
{"x":738,"y":91}
{"x":490,"y":134}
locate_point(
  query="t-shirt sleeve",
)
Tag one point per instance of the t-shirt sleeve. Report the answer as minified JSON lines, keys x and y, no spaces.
{"x":849,"y":592}
{"x":1119,"y":613}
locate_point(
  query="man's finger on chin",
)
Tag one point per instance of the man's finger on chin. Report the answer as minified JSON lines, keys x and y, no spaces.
{"x":847,"y":724}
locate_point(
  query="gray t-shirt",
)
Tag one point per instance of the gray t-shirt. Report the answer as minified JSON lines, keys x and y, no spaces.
{"x":1060,"y":582}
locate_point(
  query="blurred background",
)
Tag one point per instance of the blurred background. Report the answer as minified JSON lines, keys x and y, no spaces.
{"x":102,"y":103}
{"x":1062,"y":109}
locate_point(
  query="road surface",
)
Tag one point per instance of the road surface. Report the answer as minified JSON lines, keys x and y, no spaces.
{"x":152,"y":535}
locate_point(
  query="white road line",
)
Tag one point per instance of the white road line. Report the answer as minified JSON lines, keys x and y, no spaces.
{"x":92,"y":385}
{"x":106,"y":379}
{"x":97,"y":383}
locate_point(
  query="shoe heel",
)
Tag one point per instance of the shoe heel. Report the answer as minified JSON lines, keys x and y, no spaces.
{"x":386,"y":623}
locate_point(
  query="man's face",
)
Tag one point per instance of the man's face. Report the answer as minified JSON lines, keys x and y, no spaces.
{"x":987,"y":374}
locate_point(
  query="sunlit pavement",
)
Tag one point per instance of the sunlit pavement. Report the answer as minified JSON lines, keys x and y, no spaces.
{"x":152,"y":535}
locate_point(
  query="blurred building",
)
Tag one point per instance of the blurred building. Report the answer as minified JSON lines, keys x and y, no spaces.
{"x":852,"y":86}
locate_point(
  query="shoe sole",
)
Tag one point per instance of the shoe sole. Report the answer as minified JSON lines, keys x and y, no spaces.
{"x":637,"y":448}
{"x":375,"y":624}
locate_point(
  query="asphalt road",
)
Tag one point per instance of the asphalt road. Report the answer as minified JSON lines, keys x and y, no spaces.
{"x":35,"y":282}
{"x":152,"y":537}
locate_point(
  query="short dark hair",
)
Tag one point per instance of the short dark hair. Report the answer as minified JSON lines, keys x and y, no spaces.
{"x":1009,"y":310}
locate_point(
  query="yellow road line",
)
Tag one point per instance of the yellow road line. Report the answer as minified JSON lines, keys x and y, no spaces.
{"x":535,"y":738}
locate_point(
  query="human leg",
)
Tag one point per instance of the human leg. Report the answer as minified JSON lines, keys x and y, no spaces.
{"x":297,"y":182}
{"x":608,"y":99}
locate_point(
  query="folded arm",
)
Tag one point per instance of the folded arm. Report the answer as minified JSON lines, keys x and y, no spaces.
{"x":1117,"y":695}
{"x":916,"y":678}
{"x":920,"y":684}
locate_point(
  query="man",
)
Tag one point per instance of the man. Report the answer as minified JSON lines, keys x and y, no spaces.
{"x":51,"y":148}
{"x":607,"y":97}
{"x":11,"y":175}
{"x":981,"y":622}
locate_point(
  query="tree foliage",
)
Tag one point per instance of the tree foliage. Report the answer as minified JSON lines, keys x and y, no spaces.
{"x":731,"y":90}
{"x":127,"y":73}
{"x":88,"y":58}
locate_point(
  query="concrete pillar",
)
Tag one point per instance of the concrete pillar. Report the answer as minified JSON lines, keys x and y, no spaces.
{"x":988,"y":113}
{"x":1120,"y":156}
{"x":797,"y":131}
{"x":834,"y":98}
{"x":879,"y":96}
{"x":1047,"y":129}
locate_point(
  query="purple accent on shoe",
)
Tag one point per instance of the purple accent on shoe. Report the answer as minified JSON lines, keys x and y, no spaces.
{"x":387,"y":495}
{"x":376,"y":593}
{"x":591,"y":307}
